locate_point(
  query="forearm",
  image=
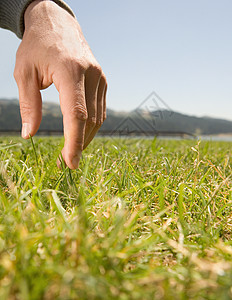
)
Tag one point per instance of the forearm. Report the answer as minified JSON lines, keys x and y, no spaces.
{"x":12,"y":14}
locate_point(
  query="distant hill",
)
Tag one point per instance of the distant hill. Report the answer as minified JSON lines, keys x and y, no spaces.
{"x":137,"y":121}
{"x":165,"y":121}
{"x":10,"y":119}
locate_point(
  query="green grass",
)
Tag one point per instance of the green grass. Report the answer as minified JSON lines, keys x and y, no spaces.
{"x":140,"y":219}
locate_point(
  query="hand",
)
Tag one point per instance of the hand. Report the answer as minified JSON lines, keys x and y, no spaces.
{"x":54,"y":50}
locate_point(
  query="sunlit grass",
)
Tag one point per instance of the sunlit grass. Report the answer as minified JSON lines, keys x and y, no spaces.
{"x":140,"y":219}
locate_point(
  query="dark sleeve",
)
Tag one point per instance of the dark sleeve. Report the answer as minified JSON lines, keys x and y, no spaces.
{"x":12,"y":14}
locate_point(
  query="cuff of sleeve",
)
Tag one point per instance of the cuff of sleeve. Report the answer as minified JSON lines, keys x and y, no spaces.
{"x":12,"y":14}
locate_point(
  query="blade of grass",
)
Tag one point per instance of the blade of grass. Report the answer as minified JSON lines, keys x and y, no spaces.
{"x":33,"y":147}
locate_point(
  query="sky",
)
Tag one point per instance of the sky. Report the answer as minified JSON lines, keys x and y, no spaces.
{"x":180,"y":49}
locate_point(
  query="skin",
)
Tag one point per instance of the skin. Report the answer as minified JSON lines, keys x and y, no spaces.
{"x":54,"y":50}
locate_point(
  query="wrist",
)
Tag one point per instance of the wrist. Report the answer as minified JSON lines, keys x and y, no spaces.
{"x":46,"y":3}
{"x":32,"y":5}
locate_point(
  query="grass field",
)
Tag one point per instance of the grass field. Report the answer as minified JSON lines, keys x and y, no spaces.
{"x":140,"y":219}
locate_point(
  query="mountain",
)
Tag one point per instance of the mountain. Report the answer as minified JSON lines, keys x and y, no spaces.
{"x":10,"y":119}
{"x":135,"y":122}
{"x":166,"y":121}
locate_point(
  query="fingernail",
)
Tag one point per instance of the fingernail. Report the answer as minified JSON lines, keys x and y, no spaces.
{"x":26,"y":130}
{"x":76,"y":159}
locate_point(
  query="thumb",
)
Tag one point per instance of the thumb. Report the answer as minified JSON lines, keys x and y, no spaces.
{"x":30,"y":104}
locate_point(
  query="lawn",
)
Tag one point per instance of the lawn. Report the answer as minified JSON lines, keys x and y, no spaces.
{"x":140,"y":219}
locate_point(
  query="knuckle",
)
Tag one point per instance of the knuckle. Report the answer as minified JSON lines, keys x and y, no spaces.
{"x":72,"y":65}
{"x":79,"y":112}
{"x":99,"y":122}
{"x":94,"y":70}
{"x":91,"y":122}
{"x":21,"y":72}
{"x":78,"y":65}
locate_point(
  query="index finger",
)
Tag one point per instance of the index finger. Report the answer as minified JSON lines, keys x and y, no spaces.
{"x":73,"y":108}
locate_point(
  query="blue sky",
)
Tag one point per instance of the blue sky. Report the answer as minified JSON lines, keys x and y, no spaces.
{"x":180,"y":49}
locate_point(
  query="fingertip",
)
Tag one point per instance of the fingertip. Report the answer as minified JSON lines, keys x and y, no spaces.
{"x":69,"y":160}
{"x":26,"y":131}
{"x":75,"y":162}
